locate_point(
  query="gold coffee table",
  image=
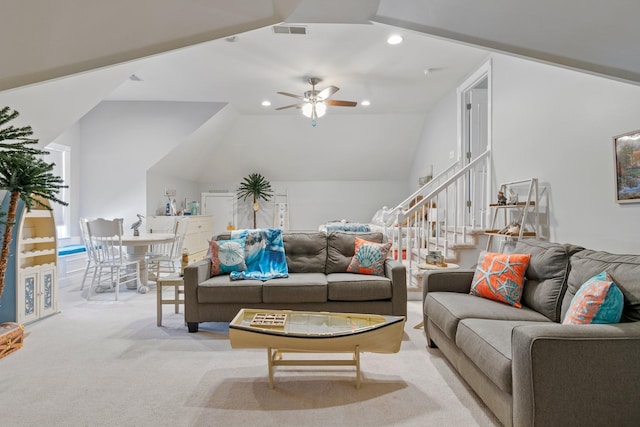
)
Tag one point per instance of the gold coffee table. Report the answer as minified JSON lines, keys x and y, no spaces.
{"x":288,"y":331}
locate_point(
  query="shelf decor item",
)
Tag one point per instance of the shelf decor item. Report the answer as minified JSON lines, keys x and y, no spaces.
{"x":626,"y":148}
{"x":256,"y":186}
{"x":25,"y":176}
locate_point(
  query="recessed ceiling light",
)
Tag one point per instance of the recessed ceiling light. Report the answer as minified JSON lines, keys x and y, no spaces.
{"x":266,"y":103}
{"x":365,"y":103}
{"x":395,"y":39}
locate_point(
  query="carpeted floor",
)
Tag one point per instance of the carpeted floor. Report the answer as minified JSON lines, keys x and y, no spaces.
{"x":106,"y":363}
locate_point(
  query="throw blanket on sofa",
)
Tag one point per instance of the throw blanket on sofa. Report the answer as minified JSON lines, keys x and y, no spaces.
{"x":264,"y":254}
{"x":348,"y":226}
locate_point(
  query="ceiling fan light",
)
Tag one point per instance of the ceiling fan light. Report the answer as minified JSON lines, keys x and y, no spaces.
{"x":307,"y":109}
{"x":321,"y":109}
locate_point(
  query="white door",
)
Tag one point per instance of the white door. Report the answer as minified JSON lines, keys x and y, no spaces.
{"x":222,"y":206}
{"x":475,"y":140}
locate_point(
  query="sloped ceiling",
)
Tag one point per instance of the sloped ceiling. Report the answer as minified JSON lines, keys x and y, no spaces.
{"x":85,"y":40}
{"x":67,"y":37}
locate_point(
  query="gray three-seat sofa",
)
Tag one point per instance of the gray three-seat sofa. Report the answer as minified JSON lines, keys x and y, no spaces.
{"x":529,"y":368}
{"x":318,"y":281}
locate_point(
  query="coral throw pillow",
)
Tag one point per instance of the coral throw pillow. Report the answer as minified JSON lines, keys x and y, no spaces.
{"x":500,"y":277}
{"x":369,"y":257}
{"x":227,"y":256}
{"x":599,"y":300}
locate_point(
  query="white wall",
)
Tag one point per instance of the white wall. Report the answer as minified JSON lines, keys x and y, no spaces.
{"x":155,"y":193}
{"x":120,"y":141}
{"x":312,"y":203}
{"x":122,"y":144}
{"x":556,"y":125}
{"x":438,"y":139}
{"x":71,"y":138}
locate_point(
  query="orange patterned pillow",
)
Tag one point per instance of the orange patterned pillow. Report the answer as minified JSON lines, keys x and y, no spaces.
{"x":369,"y":257}
{"x":500,"y":277}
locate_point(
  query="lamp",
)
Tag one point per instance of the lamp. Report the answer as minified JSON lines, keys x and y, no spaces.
{"x":314,"y":109}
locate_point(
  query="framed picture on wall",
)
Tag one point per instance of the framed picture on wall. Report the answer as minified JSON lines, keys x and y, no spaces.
{"x":627,"y":165}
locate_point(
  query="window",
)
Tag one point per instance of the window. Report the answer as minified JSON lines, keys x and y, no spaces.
{"x":60,"y":155}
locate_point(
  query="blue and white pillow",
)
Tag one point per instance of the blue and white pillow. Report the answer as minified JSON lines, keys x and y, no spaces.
{"x":227,"y":256}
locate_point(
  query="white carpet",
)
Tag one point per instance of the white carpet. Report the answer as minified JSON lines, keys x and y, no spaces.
{"x":106,"y":363}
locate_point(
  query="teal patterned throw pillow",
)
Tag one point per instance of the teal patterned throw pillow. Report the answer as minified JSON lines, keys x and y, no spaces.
{"x":227,"y":256}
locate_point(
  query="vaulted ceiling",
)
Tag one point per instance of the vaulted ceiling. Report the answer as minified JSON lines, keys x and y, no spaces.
{"x":226,"y":51}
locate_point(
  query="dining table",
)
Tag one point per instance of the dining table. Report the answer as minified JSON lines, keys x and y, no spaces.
{"x":138,"y":247}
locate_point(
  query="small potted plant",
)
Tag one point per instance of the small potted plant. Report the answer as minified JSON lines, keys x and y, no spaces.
{"x":256,"y":186}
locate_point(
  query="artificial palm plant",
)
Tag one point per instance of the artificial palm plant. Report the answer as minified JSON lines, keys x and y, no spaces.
{"x":25,"y":175}
{"x":258,"y":187}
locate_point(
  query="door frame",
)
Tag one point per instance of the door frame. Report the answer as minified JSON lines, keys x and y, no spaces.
{"x":483,"y":72}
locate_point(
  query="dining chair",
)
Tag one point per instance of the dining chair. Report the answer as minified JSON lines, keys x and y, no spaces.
{"x":91,"y":264}
{"x":112,"y":269}
{"x":162,"y":258}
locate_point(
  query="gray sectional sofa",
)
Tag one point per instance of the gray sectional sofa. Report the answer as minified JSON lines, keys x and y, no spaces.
{"x":318,"y":281}
{"x":527,"y":367}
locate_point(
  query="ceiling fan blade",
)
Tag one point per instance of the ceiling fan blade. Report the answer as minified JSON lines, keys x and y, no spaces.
{"x":327,"y":92}
{"x":337,"y":103}
{"x":291,"y":95}
{"x":289,"y":106}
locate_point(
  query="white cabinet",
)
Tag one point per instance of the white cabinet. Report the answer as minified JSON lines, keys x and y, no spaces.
{"x":199,"y":232}
{"x":31,"y":293}
{"x":196,"y":240}
{"x":37,"y":293}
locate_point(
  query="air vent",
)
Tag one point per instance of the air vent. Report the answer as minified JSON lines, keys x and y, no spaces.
{"x":289,"y":29}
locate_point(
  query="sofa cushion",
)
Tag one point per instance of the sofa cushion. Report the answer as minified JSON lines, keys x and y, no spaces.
{"x":597,"y":301}
{"x":500,"y":277}
{"x":446,"y":309}
{"x":342,"y":246}
{"x":369,"y":257}
{"x":297,"y":288}
{"x":306,"y":252}
{"x":546,"y":275}
{"x":358,"y":287}
{"x":623,"y":269}
{"x":221,"y":289}
{"x":487,"y":343}
{"x":227,"y":256}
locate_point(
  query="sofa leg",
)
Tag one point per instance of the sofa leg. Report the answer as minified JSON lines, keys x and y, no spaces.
{"x":193,"y":326}
{"x":430,"y":342}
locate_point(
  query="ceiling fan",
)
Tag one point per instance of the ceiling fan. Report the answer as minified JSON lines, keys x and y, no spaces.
{"x":314,"y":102}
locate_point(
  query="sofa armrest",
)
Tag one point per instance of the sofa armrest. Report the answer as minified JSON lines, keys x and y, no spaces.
{"x":458,"y":280}
{"x":194,"y":274}
{"x":576,"y":374}
{"x":397,"y":272}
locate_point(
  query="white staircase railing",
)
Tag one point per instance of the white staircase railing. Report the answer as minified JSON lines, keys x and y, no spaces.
{"x":441,"y":213}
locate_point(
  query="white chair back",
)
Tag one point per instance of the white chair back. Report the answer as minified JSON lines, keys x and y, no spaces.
{"x":106,"y":240}
{"x":112,"y":267}
{"x":84,"y":232}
